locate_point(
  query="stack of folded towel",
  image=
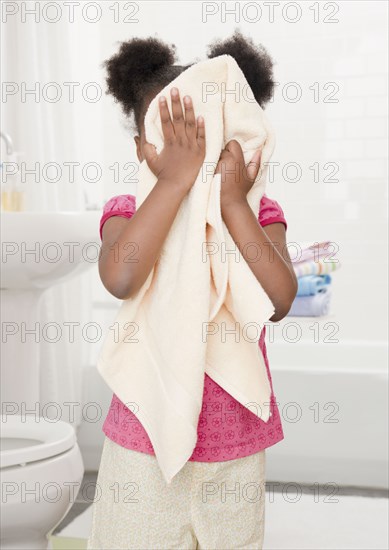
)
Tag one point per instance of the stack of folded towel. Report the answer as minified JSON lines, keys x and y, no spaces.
{"x":312,"y":268}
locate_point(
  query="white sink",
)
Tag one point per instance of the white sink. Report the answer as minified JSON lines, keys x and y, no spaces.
{"x":64,"y":244}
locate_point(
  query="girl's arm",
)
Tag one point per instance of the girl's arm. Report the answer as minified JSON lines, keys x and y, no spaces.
{"x":131,"y":247}
{"x":264,"y":250}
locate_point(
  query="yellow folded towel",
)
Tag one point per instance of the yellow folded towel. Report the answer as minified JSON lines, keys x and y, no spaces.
{"x":201,"y":309}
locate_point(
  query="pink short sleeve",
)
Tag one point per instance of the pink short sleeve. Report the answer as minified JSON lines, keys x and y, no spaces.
{"x":270,"y":212}
{"x":120,"y":205}
{"x":124,"y":205}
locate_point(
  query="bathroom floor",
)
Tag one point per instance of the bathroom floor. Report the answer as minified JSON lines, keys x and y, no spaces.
{"x":354,"y":518}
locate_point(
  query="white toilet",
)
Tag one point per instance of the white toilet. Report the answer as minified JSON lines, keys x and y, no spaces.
{"x":41,"y":473}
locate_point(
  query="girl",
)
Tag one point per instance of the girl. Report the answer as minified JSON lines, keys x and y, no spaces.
{"x":217,"y":500}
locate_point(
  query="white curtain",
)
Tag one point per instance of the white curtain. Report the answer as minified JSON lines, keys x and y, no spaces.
{"x":33,"y":55}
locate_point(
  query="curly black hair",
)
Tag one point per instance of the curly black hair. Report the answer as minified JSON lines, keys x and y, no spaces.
{"x":143,"y":66}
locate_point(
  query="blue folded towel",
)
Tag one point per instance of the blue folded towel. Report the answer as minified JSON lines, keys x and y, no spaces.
{"x":309,"y":285}
{"x":312,"y":306}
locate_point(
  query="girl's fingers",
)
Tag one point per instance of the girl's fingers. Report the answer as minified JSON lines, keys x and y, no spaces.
{"x":166,"y":123}
{"x":178,"y":115}
{"x":234,"y":147}
{"x":200,"y":131}
{"x":150,"y":154}
{"x":252,"y":167}
{"x":222,"y":160}
{"x":190,"y":119}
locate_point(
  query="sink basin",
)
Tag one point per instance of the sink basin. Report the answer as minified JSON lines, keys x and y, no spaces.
{"x":40,"y":249}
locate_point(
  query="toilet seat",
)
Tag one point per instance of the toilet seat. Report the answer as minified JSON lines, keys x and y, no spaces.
{"x":30,"y":438}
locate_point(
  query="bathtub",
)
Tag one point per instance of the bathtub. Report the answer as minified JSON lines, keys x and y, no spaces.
{"x":333,"y":399}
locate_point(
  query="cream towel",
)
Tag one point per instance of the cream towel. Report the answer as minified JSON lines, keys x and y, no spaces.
{"x":155,"y":357}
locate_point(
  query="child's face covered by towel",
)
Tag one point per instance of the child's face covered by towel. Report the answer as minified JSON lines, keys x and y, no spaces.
{"x":236,"y":178}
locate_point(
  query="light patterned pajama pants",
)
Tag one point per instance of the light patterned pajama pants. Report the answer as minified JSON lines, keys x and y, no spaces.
{"x":207,"y":506}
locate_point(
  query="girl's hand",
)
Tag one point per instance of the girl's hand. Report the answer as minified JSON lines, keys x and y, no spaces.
{"x":184,"y":143}
{"x":236,"y":178}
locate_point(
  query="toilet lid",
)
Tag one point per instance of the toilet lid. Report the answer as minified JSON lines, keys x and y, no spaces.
{"x":29,"y":438}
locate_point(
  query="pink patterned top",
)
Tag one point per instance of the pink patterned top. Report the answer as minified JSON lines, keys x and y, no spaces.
{"x":226,"y":429}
